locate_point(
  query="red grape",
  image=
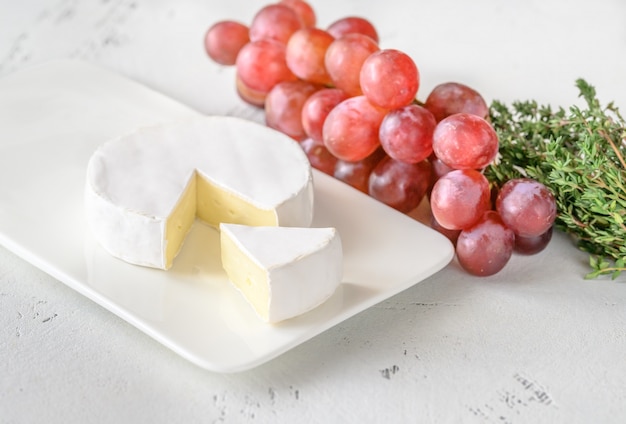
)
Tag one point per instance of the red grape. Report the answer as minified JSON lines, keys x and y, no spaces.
{"x":465,"y":141}
{"x":486,"y":247}
{"x":389,"y":79}
{"x":526,"y":206}
{"x":406,"y":133}
{"x":249,"y":95}
{"x":344,"y":59}
{"x":352,"y":25}
{"x":316,"y":109}
{"x":350,"y":130}
{"x":305,"y":54}
{"x":452,"y":235}
{"x":304,"y":11}
{"x":357,"y":174}
{"x":261,"y":65}
{"x":275,"y":22}
{"x":533,"y":245}
{"x":319,"y":156}
{"x":353,"y":109}
{"x":224,"y":40}
{"x":459,"y":198}
{"x":398,"y":184}
{"x":283,"y":107}
{"x":439,"y":169}
{"x":451,"y":97}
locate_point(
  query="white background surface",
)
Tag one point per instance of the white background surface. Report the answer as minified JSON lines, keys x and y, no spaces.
{"x":535,"y":343}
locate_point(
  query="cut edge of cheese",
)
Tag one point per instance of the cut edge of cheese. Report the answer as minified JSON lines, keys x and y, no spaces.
{"x":282,"y":272}
{"x":206,"y":201}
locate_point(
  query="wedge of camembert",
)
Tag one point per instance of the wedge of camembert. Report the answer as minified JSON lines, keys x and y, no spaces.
{"x":144,"y":190}
{"x":282,"y":272}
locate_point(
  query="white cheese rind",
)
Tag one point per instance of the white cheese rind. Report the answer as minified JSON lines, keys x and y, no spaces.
{"x":301,"y":266}
{"x":134,"y":182}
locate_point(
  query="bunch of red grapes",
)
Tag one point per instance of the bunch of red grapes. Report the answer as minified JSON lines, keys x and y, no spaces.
{"x":353,"y":108}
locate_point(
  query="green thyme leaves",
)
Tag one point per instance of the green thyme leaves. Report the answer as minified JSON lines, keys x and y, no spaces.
{"x":579,"y":153}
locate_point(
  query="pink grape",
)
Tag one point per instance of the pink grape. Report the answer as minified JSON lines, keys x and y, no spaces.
{"x":353,"y":109}
{"x":249,"y":95}
{"x":224,"y":40}
{"x":319,"y":156}
{"x":389,"y":78}
{"x":465,"y":141}
{"x":486,"y":247}
{"x":305,"y":54}
{"x":459,"y":198}
{"x":350,"y":130}
{"x":283,"y":107}
{"x":406,"y":133}
{"x":344,"y":59}
{"x":451,"y":97}
{"x":274,"y":22}
{"x":357,"y":174}
{"x":352,"y":25}
{"x":526,"y":206}
{"x":316,"y":109}
{"x":398,"y":184}
{"x":304,"y":11}
{"x":261,"y":65}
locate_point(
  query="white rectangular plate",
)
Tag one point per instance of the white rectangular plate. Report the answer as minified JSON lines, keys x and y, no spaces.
{"x":52,"y":118}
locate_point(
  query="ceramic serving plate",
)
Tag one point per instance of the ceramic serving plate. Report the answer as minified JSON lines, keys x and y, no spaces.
{"x":53,"y":116}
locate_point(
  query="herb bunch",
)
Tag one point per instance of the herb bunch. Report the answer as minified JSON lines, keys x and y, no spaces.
{"x":579,"y":154}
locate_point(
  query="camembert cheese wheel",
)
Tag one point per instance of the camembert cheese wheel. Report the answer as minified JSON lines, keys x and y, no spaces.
{"x":282,"y":271}
{"x":144,"y":190}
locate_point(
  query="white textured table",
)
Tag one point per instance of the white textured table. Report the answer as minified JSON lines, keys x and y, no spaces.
{"x":535,"y":343}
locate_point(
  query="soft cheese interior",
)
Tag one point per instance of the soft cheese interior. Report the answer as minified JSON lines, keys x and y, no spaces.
{"x":213,"y":205}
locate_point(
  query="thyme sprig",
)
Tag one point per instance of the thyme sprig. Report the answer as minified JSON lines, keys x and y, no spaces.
{"x":579,"y":154}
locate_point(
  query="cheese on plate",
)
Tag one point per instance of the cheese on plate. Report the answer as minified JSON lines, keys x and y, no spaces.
{"x":282,"y":271}
{"x":145,"y":189}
